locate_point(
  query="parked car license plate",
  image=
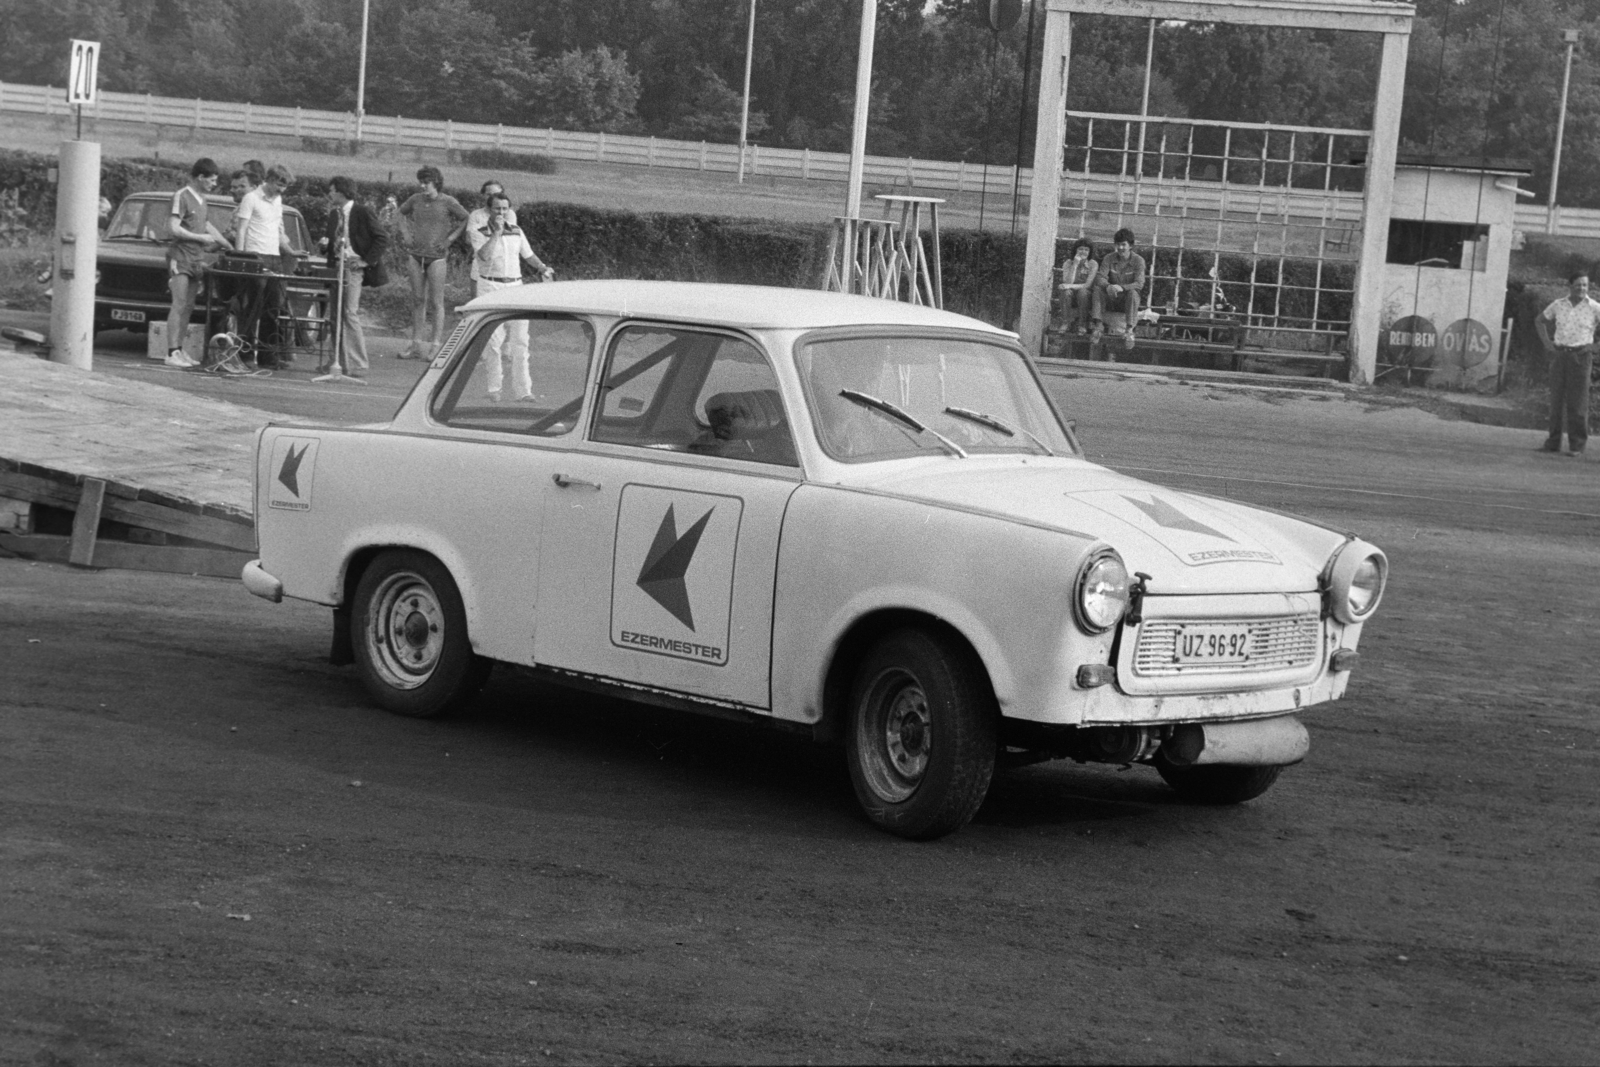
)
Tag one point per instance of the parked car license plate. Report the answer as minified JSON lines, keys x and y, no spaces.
{"x":1212,"y":643}
{"x":125,"y":315}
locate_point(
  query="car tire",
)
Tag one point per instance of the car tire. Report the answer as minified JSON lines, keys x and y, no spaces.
{"x":410,"y":637}
{"x":922,"y":734}
{"x":1217,"y":783}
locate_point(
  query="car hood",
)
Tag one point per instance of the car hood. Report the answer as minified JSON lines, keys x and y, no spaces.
{"x":138,"y":252}
{"x":1188,"y":543}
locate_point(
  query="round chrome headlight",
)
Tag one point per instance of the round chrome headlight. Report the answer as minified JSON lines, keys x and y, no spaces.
{"x":1102,"y":594}
{"x":1356,"y":580}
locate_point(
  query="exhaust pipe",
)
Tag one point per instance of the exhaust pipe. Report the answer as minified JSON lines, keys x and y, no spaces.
{"x":1259,"y":743}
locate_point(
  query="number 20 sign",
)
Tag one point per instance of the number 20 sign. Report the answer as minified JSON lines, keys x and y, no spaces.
{"x":84,"y":72}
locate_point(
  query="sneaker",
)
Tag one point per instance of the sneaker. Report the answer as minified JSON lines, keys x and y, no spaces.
{"x":1550,"y":446}
{"x":1081,"y":330}
{"x":1097,"y":333}
{"x":180,"y":359}
{"x":494,"y":398}
{"x":1127,"y":339}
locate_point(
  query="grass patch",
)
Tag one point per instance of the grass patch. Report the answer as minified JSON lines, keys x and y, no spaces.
{"x":19,"y":271}
{"x":500,"y":159}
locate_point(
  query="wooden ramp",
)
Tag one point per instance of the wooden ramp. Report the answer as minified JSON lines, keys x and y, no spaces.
{"x":104,"y":472}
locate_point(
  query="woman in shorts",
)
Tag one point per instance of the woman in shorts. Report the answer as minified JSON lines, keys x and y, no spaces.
{"x":432,"y":221}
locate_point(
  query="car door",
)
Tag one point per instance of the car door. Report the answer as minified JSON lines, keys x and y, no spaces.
{"x":661,"y":532}
{"x":508,"y":408}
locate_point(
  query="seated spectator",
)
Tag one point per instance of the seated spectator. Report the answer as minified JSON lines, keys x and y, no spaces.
{"x":1119,"y":281}
{"x":1078,"y":274}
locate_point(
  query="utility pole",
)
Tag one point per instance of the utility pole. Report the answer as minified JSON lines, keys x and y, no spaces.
{"x":744,"y":114}
{"x":361,"y":76}
{"x":858,"y":132}
{"x":1571,"y":37}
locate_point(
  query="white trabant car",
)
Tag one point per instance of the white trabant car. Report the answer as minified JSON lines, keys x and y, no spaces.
{"x":860,"y":518}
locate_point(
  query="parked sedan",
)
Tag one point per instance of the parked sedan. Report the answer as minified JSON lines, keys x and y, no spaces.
{"x":853,"y":517}
{"x":131,"y":291}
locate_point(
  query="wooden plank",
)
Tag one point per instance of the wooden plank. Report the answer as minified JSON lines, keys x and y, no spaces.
{"x":145,"y":508}
{"x":118,"y":555}
{"x":86,"y":522}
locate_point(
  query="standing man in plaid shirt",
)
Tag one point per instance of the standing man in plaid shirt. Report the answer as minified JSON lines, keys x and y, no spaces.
{"x":1571,"y":355}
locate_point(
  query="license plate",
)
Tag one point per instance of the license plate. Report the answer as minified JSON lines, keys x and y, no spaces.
{"x":1213,"y":644}
{"x":124,"y":315}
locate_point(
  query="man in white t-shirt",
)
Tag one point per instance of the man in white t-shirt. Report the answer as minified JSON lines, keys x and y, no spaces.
{"x":499,"y":250}
{"x":1576,"y":318}
{"x":258,"y":229}
{"x":478,"y":218}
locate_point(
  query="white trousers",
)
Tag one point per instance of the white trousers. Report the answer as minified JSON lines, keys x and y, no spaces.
{"x":508,"y":342}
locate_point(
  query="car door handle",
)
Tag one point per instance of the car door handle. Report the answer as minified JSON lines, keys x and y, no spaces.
{"x":567,"y":482}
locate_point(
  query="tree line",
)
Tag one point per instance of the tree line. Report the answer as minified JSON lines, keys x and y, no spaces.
{"x":1484,"y":76}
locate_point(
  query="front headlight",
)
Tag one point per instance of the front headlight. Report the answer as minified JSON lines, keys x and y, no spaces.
{"x":1356,"y":579}
{"x":1102,"y":592}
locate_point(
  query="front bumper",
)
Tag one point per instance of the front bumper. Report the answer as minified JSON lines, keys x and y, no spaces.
{"x":259,"y":582}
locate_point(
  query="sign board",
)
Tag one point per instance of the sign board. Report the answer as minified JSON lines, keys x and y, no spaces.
{"x":85,"y":72}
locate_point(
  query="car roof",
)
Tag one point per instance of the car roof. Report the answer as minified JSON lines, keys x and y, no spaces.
{"x":749,"y":306}
{"x":212,"y":199}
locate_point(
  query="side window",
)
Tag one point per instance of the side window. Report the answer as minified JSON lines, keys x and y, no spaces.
{"x":690,"y":391}
{"x":523,"y":375}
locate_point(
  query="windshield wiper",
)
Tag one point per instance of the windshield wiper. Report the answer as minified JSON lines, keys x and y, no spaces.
{"x":995,"y":424}
{"x":897,"y":412}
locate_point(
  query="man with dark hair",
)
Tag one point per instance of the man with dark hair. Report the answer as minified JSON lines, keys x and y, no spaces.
{"x":1119,"y":280}
{"x":193,"y":242}
{"x":479,"y":218}
{"x":357,"y":241}
{"x":431,"y":221}
{"x":500,"y":249}
{"x":1571,"y":355}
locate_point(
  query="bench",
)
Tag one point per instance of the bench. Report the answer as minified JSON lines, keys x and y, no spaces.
{"x":1226,"y":341}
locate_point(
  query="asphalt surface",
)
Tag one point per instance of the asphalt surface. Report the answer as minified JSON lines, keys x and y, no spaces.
{"x":215,"y":851}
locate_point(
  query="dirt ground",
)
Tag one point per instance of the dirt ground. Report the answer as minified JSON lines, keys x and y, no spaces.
{"x":212,"y":850}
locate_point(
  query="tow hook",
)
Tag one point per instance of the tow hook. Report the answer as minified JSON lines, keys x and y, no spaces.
{"x":1136,"y":594}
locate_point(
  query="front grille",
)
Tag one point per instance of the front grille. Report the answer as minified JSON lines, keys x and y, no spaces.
{"x":1276,"y":644}
{"x":133,"y":283}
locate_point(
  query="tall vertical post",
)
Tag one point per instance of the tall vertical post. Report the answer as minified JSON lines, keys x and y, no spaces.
{"x":77,"y":239}
{"x":744,"y":112}
{"x":361,"y":72}
{"x":1571,"y":37}
{"x":1376,"y":209}
{"x":858,"y":129}
{"x":1044,"y":211}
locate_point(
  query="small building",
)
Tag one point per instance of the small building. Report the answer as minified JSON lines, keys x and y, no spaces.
{"x":1444,"y":276}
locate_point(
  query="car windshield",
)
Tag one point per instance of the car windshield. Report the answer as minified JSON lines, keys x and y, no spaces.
{"x":146,"y":219}
{"x":884,"y":397}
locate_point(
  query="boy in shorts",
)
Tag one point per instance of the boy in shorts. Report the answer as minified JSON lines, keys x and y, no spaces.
{"x":192,"y":247}
{"x":432,"y":221}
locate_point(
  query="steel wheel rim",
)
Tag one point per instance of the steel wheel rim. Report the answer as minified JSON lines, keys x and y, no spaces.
{"x":895,"y":736}
{"x":405,"y":623}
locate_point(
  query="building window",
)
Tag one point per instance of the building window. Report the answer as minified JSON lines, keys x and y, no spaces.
{"x":1452,"y":245}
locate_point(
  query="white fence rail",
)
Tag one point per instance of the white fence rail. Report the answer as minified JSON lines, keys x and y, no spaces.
{"x":921,"y":174}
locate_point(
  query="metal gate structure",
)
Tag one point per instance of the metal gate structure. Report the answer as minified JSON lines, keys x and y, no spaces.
{"x":1290,"y":221}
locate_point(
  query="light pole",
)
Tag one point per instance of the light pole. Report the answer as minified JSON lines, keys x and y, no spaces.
{"x":744,"y":114}
{"x":1571,"y":37}
{"x":858,"y":138}
{"x":361,"y":76}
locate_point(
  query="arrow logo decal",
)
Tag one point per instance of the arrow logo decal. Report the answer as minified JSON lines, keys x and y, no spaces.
{"x":667,"y":562}
{"x":1164,"y":514}
{"x":289,"y":474}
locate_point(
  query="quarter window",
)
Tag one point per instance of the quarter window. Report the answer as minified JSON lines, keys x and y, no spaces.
{"x":522,"y":374}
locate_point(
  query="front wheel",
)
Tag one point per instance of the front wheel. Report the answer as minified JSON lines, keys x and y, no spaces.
{"x":923,"y":735}
{"x":1217,"y":783}
{"x":410,"y":638}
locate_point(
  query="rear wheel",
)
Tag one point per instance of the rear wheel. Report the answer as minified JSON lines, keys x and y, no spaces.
{"x":1217,"y":783}
{"x":410,"y":638}
{"x":923,"y":735}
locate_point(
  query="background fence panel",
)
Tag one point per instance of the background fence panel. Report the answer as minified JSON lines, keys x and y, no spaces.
{"x":922,"y":175}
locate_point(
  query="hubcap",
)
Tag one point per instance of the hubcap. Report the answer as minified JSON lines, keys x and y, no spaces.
{"x":894,"y":736}
{"x":405,"y":622}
